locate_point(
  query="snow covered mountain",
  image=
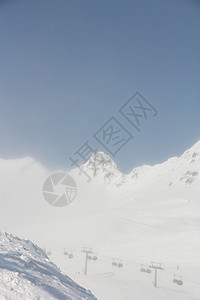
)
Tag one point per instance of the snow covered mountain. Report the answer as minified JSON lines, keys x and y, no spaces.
{"x":26,"y":273}
{"x":183,"y":169}
{"x":150,"y":214}
{"x":101,"y":166}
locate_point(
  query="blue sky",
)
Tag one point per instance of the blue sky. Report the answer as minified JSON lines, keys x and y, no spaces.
{"x":66,"y":67}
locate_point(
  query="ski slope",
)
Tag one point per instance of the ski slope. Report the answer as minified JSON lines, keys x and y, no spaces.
{"x":149,"y":215}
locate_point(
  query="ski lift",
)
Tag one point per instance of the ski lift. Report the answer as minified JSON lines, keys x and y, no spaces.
{"x":177,"y":281}
{"x":71,"y":255}
{"x":65,"y":252}
{"x":114,"y":264}
{"x":94,"y":258}
{"x":145,"y":270}
{"x":142,"y":269}
{"x":89,"y":257}
{"x":120,"y":264}
{"x":180,"y":281}
{"x":148,"y":271}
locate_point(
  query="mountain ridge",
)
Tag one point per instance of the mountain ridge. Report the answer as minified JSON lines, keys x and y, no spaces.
{"x":102,"y":166}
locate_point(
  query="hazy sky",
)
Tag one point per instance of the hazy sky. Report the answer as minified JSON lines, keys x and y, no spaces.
{"x":66,"y":67}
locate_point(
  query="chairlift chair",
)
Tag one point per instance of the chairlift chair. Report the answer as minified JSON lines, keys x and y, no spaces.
{"x":148,"y":271}
{"x":120,"y":265}
{"x":94,"y":258}
{"x":71,"y":255}
{"x":114,"y":264}
{"x":180,"y":281}
{"x":142,"y":269}
{"x":175,"y":279}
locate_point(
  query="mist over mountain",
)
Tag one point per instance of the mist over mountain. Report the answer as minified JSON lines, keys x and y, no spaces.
{"x":150,"y":214}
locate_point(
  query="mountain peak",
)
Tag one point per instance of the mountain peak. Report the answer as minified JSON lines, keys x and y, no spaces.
{"x":100,"y":158}
{"x":100,"y":162}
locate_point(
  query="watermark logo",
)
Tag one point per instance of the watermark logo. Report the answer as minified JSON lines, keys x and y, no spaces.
{"x":59,"y":189}
{"x":137,"y":109}
{"x":114,"y":135}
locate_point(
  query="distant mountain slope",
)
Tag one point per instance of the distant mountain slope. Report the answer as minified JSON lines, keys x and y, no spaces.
{"x":150,"y":214}
{"x":177,"y":170}
{"x":26,"y":273}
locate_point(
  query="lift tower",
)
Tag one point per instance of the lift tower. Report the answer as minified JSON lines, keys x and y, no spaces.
{"x":156,"y":266}
{"x":87,"y":251}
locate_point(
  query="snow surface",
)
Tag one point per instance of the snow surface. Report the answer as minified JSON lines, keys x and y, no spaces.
{"x":27,"y":273}
{"x":151,"y":214}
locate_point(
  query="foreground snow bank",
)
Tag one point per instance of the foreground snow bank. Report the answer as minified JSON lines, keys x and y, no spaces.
{"x":27,"y":273}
